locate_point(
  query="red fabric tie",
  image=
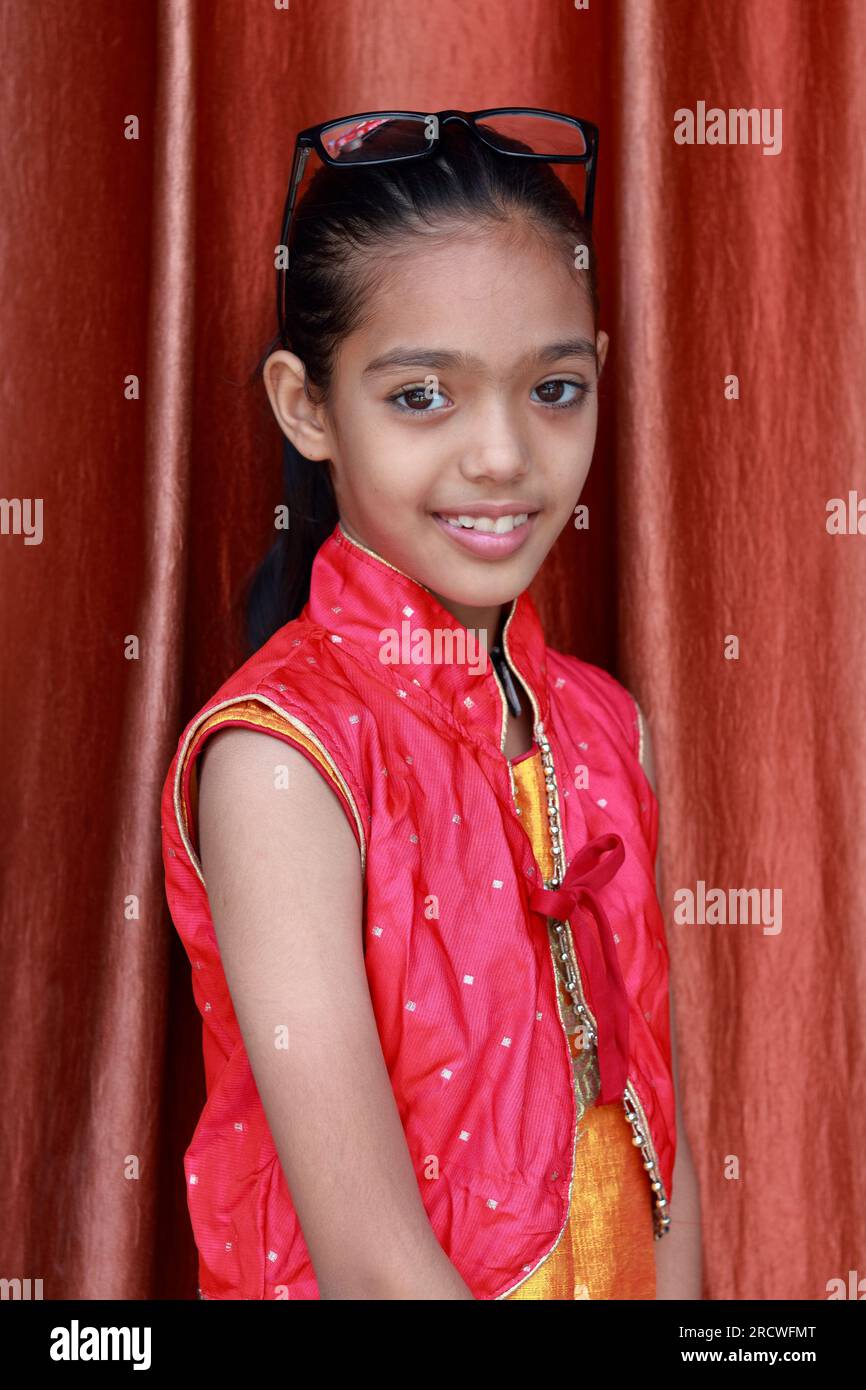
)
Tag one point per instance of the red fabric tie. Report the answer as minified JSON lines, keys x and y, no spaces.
{"x":601,"y":969}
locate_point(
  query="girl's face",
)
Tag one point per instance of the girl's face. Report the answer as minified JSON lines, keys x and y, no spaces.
{"x":470,"y":389}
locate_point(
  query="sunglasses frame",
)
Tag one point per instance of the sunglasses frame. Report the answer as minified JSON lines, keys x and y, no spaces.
{"x":312,"y":139}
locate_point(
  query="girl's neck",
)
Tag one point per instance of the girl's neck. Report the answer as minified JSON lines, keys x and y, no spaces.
{"x":487,"y":623}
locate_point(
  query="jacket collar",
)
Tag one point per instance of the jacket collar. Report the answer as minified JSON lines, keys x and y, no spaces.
{"x":370,"y":606}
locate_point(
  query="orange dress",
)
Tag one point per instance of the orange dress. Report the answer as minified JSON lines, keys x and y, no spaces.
{"x":607,"y":1249}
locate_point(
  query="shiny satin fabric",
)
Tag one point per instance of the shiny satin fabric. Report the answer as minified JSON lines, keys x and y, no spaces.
{"x":420,"y":739}
{"x":607,"y":1250}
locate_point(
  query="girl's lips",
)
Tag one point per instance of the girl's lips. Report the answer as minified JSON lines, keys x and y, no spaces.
{"x":485,"y":542}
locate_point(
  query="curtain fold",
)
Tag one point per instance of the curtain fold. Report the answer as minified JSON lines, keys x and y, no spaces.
{"x":733,"y":263}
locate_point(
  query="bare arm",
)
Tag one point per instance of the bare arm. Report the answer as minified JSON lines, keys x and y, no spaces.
{"x":283,"y":876}
{"x":679,"y":1253}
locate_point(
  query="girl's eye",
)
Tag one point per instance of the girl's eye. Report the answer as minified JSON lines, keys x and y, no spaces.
{"x":581,"y":391}
{"x":420,"y":400}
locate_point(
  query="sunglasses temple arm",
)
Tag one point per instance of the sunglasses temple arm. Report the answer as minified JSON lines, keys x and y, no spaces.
{"x":590,"y":187}
{"x":300,"y":165}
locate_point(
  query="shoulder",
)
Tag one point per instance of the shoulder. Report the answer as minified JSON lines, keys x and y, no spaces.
{"x":609,"y":700}
{"x":271,"y":793}
{"x":290,"y":690}
{"x":301,"y":661}
{"x":298,"y":680}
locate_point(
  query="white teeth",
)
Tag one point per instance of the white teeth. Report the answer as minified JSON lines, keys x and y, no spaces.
{"x":497,"y":526}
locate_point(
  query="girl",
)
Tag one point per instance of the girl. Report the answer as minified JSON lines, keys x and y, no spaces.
{"x":421,"y":912}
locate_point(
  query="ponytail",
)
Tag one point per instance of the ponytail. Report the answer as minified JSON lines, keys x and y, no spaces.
{"x":281,"y":585}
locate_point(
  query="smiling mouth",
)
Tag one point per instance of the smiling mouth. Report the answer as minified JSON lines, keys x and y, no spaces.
{"x":487,"y":525}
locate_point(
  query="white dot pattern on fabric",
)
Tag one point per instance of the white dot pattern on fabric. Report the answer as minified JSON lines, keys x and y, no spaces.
{"x":506,"y":1042}
{"x":464,"y":1135}
{"x":583,"y":745}
{"x":408,"y":611}
{"x":492,"y":1202}
{"x":193,"y":1179}
{"x":446,"y":1073}
{"x":410,"y":1005}
{"x":354,"y":718}
{"x":377,"y":931}
{"x":602,"y":801}
{"x":335,"y":638}
{"x":468,"y":979}
{"x":497,"y":883}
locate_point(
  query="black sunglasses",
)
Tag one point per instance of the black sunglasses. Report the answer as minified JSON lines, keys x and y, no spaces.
{"x":400,"y":135}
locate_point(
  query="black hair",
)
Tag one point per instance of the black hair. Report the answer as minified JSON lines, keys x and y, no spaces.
{"x":344,"y":228}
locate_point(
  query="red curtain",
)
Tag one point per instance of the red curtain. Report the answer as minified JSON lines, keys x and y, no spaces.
{"x":147,"y":154}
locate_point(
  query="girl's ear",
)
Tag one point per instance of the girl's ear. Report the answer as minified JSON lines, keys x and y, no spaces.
{"x":298,"y":416}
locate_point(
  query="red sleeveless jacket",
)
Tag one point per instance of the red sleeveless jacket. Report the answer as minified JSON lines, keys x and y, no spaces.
{"x":457,"y":945}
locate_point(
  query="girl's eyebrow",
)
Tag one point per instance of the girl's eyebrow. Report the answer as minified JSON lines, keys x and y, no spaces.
{"x":443,"y":360}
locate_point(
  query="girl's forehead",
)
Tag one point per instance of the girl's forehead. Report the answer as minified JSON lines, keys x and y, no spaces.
{"x":482,"y":250}
{"x":459,"y":296}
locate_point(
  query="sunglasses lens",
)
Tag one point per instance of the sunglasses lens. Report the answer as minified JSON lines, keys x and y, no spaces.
{"x":393,"y":137}
{"x":379,"y":137}
{"x":538,"y":134}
